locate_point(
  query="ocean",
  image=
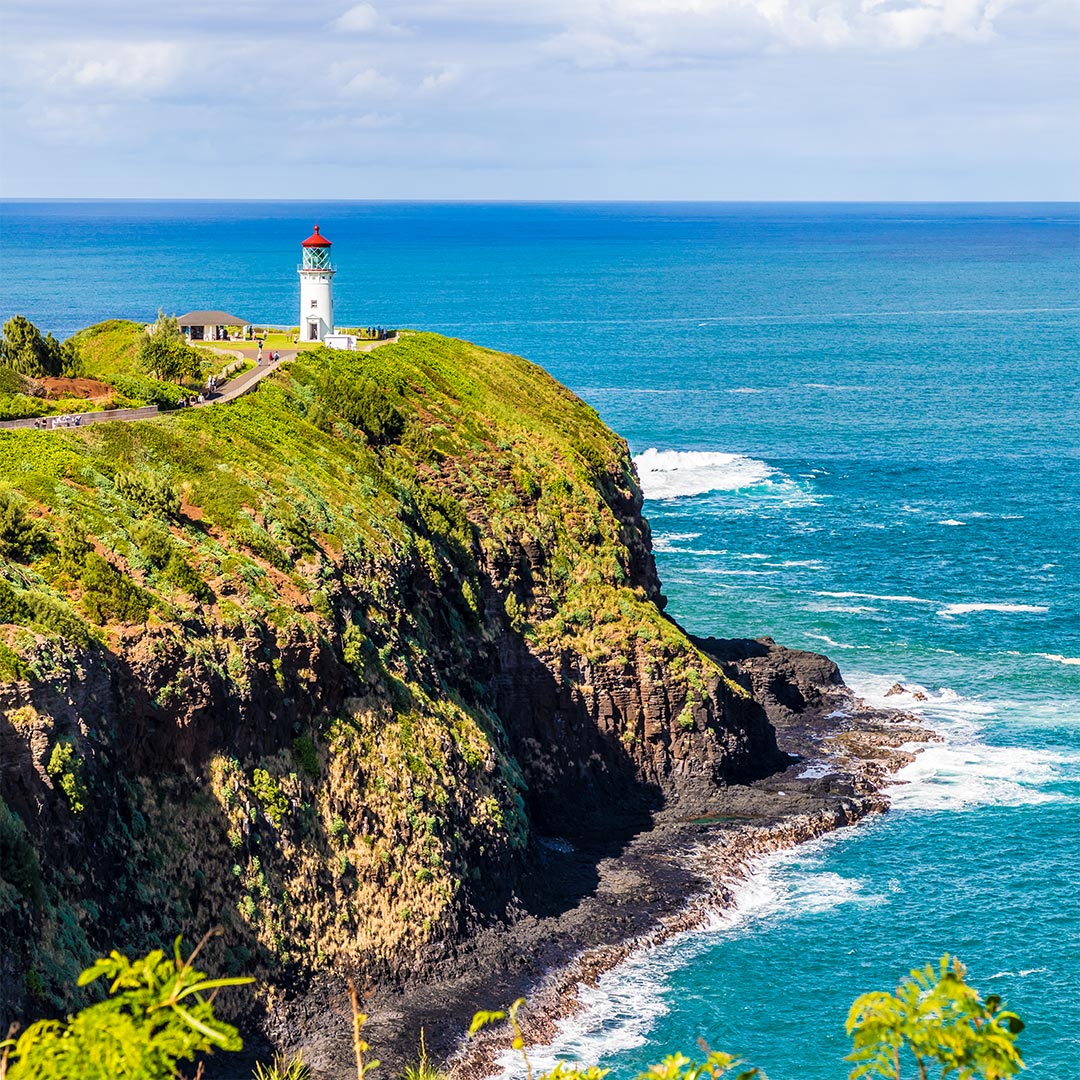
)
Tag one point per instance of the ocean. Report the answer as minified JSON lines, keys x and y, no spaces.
{"x":857,"y":431}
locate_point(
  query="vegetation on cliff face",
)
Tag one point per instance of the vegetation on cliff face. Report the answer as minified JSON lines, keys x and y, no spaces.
{"x":314,"y":663}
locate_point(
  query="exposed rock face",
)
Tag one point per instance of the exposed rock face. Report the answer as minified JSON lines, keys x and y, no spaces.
{"x":321,"y":682}
{"x":397,"y":627}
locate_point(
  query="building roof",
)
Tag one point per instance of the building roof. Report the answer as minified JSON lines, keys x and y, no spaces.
{"x":316,"y":239}
{"x":211,"y":318}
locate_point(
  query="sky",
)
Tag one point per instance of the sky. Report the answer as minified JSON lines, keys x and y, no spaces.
{"x":545,"y":99}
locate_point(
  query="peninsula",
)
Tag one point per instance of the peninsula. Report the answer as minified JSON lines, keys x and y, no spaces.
{"x":371,"y":667}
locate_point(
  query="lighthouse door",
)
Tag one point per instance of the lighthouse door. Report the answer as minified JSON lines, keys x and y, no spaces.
{"x":313,"y":330}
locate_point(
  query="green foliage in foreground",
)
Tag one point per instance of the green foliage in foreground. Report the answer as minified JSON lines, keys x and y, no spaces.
{"x":158,"y":1014}
{"x":940,"y":1020}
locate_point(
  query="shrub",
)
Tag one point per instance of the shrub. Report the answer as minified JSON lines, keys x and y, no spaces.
{"x":108,"y":595}
{"x":22,"y":407}
{"x":153,"y":495}
{"x":151,"y":391}
{"x":66,"y":768}
{"x":12,"y":669}
{"x":268,"y":791}
{"x":303,"y":749}
{"x":365,"y":406}
{"x":21,"y":538}
{"x":155,"y":544}
{"x":165,"y":354}
{"x":13,"y":608}
{"x":180,"y":573}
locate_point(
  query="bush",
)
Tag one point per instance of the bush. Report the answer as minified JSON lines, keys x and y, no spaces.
{"x":21,"y":538}
{"x":22,"y":407}
{"x":151,"y":391}
{"x":185,"y":577}
{"x":365,"y":406}
{"x":13,"y":608}
{"x":108,"y":595}
{"x":153,"y":495}
{"x":66,"y":768}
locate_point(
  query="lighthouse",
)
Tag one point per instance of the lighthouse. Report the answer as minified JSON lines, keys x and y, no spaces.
{"x":316,"y":288}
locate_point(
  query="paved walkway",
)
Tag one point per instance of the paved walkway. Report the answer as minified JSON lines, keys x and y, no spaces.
{"x":233,"y":389}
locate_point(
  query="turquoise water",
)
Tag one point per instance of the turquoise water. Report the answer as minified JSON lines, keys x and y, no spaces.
{"x":857,"y":428}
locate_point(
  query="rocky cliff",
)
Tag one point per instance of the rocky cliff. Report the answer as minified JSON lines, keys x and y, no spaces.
{"x":324,"y":666}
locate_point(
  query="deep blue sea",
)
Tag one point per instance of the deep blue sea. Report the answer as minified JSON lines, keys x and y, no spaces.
{"x":857,"y":427}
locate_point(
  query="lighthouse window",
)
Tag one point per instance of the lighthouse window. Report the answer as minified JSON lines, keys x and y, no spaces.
{"x":314,"y":303}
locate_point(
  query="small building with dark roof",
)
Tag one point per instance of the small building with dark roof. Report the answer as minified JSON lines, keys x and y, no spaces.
{"x":209,"y":325}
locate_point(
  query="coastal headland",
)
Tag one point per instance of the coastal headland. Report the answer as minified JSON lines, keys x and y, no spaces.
{"x":371,"y":667}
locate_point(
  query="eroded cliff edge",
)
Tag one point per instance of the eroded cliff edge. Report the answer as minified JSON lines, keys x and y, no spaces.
{"x":323,"y":664}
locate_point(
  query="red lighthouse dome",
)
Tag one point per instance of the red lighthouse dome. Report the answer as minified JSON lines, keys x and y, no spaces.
{"x":316,"y":239}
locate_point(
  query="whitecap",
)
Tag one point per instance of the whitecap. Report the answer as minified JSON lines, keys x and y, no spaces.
{"x":663,"y":541}
{"x":843,"y":609}
{"x":875,"y":596}
{"x":964,"y":609}
{"x":744,"y":390}
{"x":673,"y":474}
{"x":952,"y":521}
{"x":831,"y":643}
{"x":1058,"y":658}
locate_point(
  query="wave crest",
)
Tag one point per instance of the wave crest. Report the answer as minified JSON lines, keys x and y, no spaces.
{"x":674,"y":474}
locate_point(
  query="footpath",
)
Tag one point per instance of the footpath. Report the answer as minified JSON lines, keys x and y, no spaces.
{"x":233,"y":389}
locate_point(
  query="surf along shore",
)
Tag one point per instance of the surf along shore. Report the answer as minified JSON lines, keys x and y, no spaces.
{"x":596,"y":900}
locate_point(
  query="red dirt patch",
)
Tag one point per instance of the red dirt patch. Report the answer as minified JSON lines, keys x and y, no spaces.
{"x":90,"y":389}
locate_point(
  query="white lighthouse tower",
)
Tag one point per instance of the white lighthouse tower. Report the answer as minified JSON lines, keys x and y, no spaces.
{"x":316,"y":289}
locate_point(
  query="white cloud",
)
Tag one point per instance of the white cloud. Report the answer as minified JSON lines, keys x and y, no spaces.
{"x":371,"y":83}
{"x":438,"y":81}
{"x":132,"y":69}
{"x":358,"y":20}
{"x":364,"y":19}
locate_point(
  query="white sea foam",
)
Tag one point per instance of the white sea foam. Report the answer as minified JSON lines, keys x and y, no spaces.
{"x":952,"y":521}
{"x":964,"y":609}
{"x":664,"y":541}
{"x":964,"y":771}
{"x":844,"y":609}
{"x":673,"y":474}
{"x":875,"y":596}
{"x":834,"y":644}
{"x":1073,"y":660}
{"x":622,"y":1008}
{"x":745,"y":390}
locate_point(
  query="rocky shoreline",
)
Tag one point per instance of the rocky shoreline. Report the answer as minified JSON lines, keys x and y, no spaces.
{"x":590,"y":900}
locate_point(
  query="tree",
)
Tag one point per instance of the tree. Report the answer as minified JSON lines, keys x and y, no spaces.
{"x":24,"y":350}
{"x":940,"y":1020}
{"x":165,"y":354}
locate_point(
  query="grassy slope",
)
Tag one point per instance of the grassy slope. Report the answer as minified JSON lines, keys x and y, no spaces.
{"x":110,"y":348}
{"x":299,"y":534}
